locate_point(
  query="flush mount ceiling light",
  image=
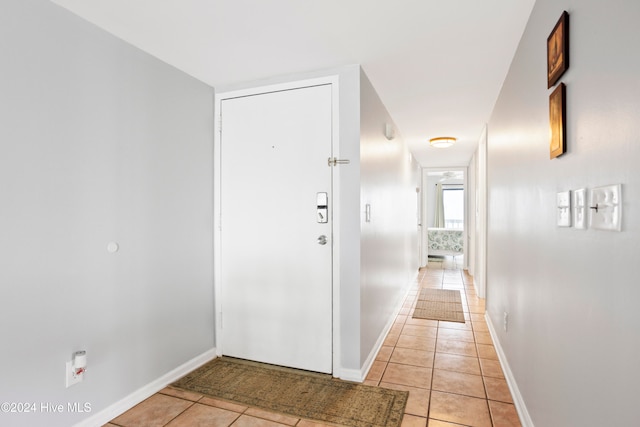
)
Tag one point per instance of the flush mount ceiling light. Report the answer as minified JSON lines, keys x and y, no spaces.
{"x":442,"y":142}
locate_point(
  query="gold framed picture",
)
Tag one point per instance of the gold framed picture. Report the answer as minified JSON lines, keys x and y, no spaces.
{"x":557,"y":121}
{"x":558,"y":50}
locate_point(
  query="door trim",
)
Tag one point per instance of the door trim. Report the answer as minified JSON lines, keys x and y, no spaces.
{"x":333,"y":80}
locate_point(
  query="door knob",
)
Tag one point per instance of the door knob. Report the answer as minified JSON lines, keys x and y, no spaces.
{"x":322,"y":240}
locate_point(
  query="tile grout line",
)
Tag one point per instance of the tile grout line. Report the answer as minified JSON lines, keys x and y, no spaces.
{"x":484,"y":386}
{"x":486,"y":398}
{"x":433,"y":364}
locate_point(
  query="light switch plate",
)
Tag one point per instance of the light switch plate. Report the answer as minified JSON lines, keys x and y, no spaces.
{"x":580,"y":208}
{"x":605,"y":208}
{"x":564,"y":209}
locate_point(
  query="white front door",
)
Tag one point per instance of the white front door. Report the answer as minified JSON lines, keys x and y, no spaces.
{"x":276,"y":289}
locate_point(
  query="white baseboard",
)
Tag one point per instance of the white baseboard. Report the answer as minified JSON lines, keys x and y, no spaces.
{"x":128,"y":402}
{"x":525,"y":418}
{"x":354,"y":375}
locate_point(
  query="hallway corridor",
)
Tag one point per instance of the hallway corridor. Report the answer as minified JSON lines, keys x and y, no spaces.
{"x":451,"y":371}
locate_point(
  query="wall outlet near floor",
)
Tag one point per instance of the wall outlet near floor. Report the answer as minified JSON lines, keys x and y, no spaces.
{"x":71,"y":377}
{"x":505,"y":321}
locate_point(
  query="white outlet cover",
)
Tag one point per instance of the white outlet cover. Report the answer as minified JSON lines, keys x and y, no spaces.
{"x":70,"y":378}
{"x":580,"y":208}
{"x":605,"y":210}
{"x":564,"y":209}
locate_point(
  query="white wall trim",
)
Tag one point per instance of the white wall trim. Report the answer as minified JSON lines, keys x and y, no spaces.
{"x":355,"y":375}
{"x":480,"y":278}
{"x":337,"y":214}
{"x":361,"y":374}
{"x":467,"y":219}
{"x":525,"y":418}
{"x":128,"y":402}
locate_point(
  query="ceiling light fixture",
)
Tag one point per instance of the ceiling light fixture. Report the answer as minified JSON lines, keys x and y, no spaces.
{"x":442,"y":142}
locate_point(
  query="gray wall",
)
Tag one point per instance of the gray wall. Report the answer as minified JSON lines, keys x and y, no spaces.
{"x":99,"y":142}
{"x":389,"y":242}
{"x":572,"y":344}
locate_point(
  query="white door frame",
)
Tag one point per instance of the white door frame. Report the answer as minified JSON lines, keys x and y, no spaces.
{"x":217,"y":185}
{"x":480,"y":277}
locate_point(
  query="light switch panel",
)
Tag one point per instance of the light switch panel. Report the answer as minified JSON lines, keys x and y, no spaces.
{"x":605,"y":208}
{"x":580,"y":208}
{"x":564,"y":209}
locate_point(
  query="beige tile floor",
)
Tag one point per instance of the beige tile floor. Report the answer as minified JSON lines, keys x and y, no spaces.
{"x":451,"y":371}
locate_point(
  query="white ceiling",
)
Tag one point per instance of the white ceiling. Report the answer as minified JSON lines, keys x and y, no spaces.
{"x":438,"y":66}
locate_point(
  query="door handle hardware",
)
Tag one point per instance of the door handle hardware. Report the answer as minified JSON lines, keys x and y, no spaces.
{"x":335,"y":161}
{"x":322,"y":240}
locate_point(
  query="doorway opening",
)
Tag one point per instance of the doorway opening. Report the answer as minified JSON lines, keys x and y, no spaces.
{"x":444,"y":214}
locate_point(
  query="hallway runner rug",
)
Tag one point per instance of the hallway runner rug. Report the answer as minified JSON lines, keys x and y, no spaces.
{"x":439,"y":304}
{"x":298,"y":393}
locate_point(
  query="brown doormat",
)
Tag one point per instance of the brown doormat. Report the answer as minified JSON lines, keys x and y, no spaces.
{"x":439,"y":304}
{"x":299,"y":393}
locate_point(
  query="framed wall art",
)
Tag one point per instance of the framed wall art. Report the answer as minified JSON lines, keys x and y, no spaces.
{"x":557,"y":121}
{"x":558,"y":50}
